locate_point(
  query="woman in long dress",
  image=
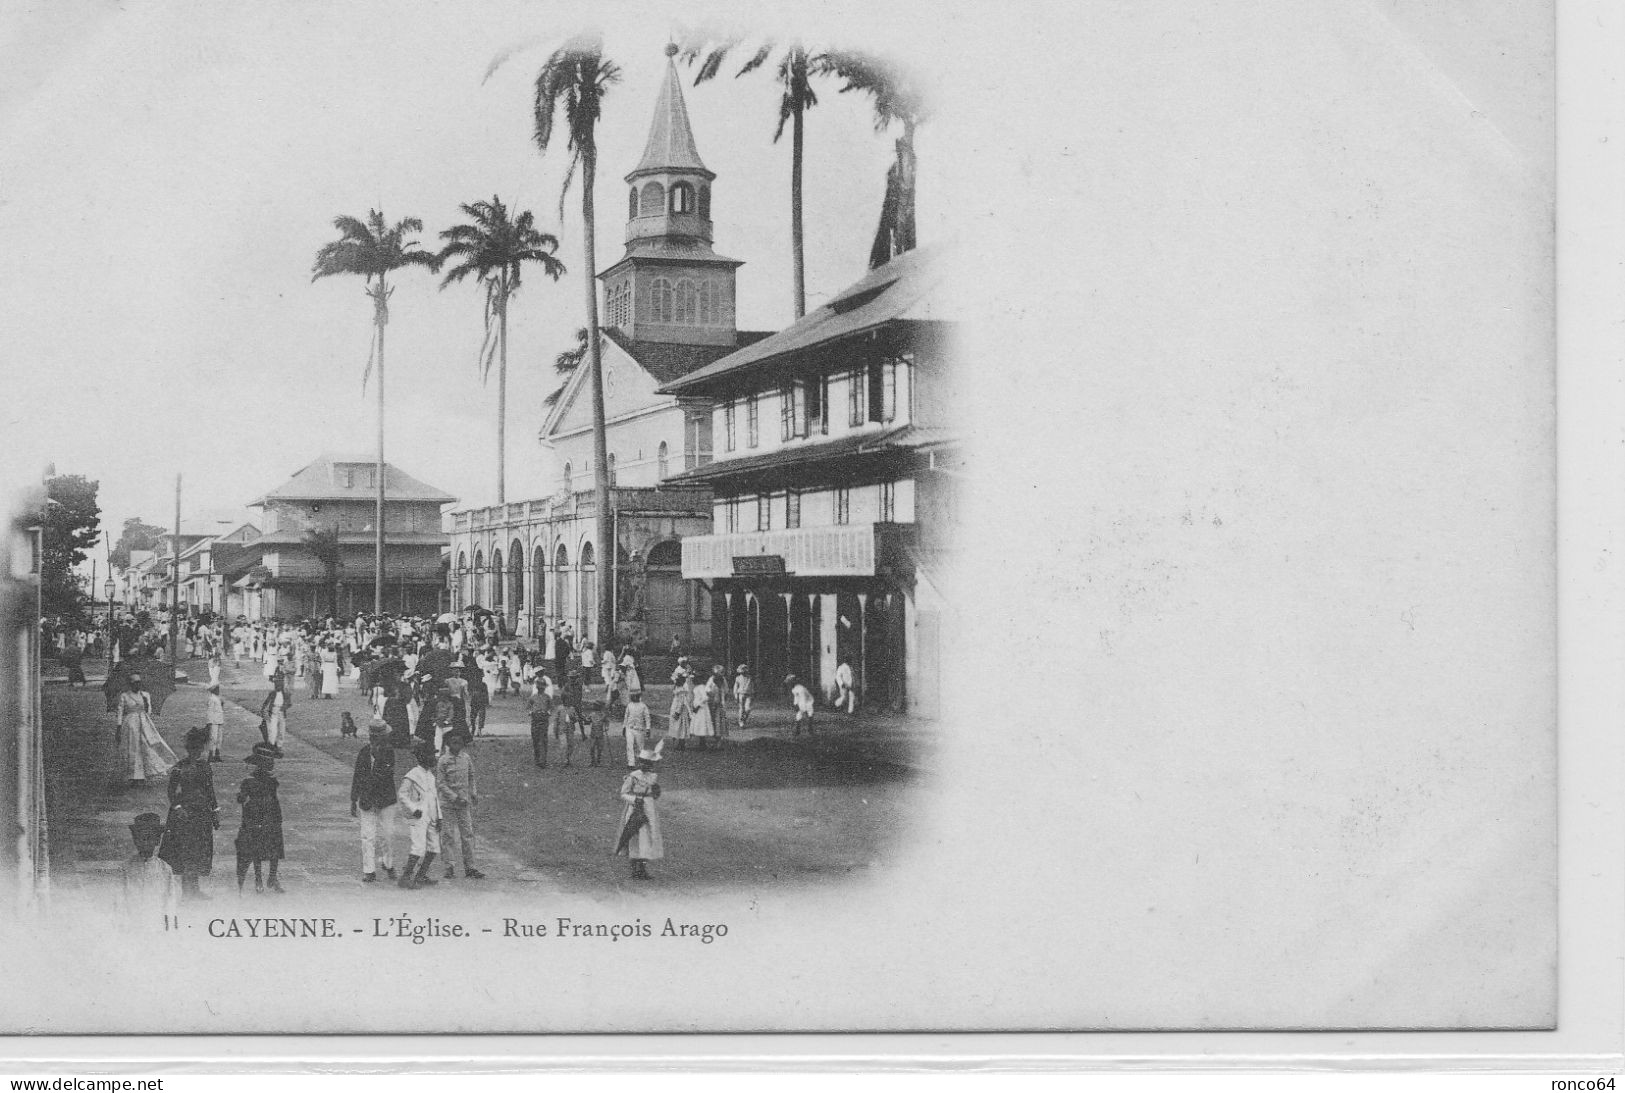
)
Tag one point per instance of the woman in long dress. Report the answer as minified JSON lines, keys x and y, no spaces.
{"x":638,"y":834}
{"x":682,"y":706}
{"x":489,"y":670}
{"x":330,"y":672}
{"x":144,"y":751}
{"x":700,"y":725}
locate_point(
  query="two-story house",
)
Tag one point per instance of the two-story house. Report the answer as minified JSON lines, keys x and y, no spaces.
{"x":278,"y":575}
{"x":832,"y":477}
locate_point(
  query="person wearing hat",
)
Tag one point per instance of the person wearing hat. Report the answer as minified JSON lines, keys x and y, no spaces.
{"x":274,"y":712}
{"x":638,"y":833}
{"x":716,"y":696}
{"x":419,"y":799}
{"x":701,"y":728}
{"x":802,"y":700}
{"x":564,"y":717}
{"x":372,"y":800}
{"x":459,"y":793}
{"x":635,"y":727}
{"x":846,"y":694}
{"x":682,"y":708}
{"x":147,"y":888}
{"x":146,"y":755}
{"x":744,"y":692}
{"x":630,"y":678}
{"x":259,"y":839}
{"x":193,"y":816}
{"x":216,"y":719}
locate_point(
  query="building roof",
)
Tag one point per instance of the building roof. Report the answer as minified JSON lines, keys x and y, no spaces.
{"x":679,"y":250}
{"x":316,"y":482}
{"x":668,"y":361}
{"x":898,"y":291}
{"x":670,"y":146}
{"x":355,"y":538}
{"x":794,"y":455}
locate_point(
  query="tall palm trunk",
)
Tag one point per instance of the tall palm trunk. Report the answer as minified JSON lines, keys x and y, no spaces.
{"x":795,"y":211}
{"x":502,"y":391}
{"x":605,"y":558}
{"x":378,"y":523}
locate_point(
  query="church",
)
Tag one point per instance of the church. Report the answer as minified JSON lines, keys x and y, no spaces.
{"x":668,"y":311}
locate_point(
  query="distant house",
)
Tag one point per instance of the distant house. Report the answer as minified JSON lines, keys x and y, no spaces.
{"x":202,"y":588}
{"x":277,"y":574}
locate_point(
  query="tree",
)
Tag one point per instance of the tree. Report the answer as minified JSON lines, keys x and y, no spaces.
{"x":794,"y":72}
{"x":135,"y":536}
{"x":70,"y":525}
{"x":494,"y":248}
{"x":897,"y":96}
{"x":565,"y":365}
{"x":325,"y":545}
{"x":372,"y":251}
{"x":574,"y":80}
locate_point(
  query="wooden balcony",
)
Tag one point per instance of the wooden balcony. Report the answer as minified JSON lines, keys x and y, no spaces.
{"x":837,"y":550}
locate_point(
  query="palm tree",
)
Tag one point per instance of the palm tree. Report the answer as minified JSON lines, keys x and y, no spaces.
{"x":565,"y":365}
{"x":374,"y":251}
{"x":897,"y":96}
{"x":324,"y":543}
{"x":494,"y":248}
{"x":794,"y":72}
{"x":575,"y":79}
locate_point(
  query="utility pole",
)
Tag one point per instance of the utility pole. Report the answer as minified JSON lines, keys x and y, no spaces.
{"x":175,"y":582}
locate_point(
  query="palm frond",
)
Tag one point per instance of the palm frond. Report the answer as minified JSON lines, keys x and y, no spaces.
{"x":757,"y":60}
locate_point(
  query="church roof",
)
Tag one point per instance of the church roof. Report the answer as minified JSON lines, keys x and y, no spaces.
{"x":317,"y":482}
{"x":671,"y":140}
{"x":668,"y":361}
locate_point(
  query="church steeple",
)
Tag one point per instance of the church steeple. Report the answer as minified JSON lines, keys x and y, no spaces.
{"x":670,"y":286}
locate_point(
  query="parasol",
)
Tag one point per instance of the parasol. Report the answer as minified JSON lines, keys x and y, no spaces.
{"x":157,"y":676}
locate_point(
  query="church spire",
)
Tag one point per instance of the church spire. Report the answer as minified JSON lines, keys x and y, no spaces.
{"x":670,"y":146}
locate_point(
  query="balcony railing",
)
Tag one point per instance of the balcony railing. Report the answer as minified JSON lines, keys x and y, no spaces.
{"x":840,"y":550}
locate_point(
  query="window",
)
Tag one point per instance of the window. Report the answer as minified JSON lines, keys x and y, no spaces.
{"x":611,"y":468}
{"x":817,"y":395}
{"x":888,"y":502}
{"x":854,"y":399}
{"x":682,"y":197}
{"x":753,"y":422}
{"x":792,"y":509}
{"x":705,"y":202}
{"x":618,"y":303}
{"x":661,"y":301}
{"x":730,"y":512}
{"x":787,"y":412}
{"x":632,"y":204}
{"x":708,"y":303}
{"x":698,"y":451}
{"x":843,"y":506}
{"x":661,"y":465}
{"x":877,"y":390}
{"x":764,"y":513}
{"x":654,"y":200}
{"x":888,"y":393}
{"x":684,"y":303}
{"x":567,"y":472}
{"x":728,"y":427}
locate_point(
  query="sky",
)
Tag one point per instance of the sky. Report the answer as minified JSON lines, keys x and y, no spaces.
{"x":171,"y":171}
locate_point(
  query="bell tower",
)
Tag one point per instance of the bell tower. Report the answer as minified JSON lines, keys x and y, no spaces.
{"x":670,"y":286}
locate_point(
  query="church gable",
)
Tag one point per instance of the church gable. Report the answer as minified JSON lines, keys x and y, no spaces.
{"x":627,"y":389}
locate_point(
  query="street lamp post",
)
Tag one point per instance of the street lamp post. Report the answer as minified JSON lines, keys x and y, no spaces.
{"x":110,"y":588}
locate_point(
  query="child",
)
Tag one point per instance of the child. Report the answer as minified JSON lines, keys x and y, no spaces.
{"x":566,"y":724}
{"x":802,"y":699}
{"x":459,"y":793}
{"x":260,"y":838}
{"x":744,"y":691}
{"x":148,"y":888}
{"x":216,"y":719}
{"x":419,"y":799}
{"x":682,"y":703}
{"x":599,"y":730}
{"x":635,"y":727}
{"x":540,"y":715}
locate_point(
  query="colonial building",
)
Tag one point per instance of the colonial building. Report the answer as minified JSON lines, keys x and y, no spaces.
{"x":668,"y":310}
{"x":202,"y":586}
{"x":832,"y":476}
{"x":278,"y":575}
